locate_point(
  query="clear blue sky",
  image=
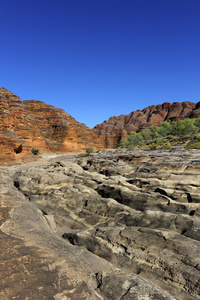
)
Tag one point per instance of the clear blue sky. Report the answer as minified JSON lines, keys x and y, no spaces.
{"x":100,"y":58}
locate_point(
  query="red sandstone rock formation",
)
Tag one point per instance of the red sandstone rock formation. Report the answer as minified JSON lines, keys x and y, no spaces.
{"x":36,"y":124}
{"x":118,"y":127}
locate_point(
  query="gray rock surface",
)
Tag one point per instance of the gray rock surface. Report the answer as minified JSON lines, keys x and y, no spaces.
{"x":115,"y":225}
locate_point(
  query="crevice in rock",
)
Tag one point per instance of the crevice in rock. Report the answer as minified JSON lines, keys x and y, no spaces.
{"x":90,"y":162}
{"x":184,"y":231}
{"x":192,"y":212}
{"x":194,"y":235}
{"x":57,"y":164}
{"x":85,"y":168}
{"x":70,"y":237}
{"x":124,"y":247}
{"x":164,"y":193}
{"x":44,"y":213}
{"x":189,"y":198}
{"x":132,"y":181}
{"x":16,"y":184}
{"x":161,"y":191}
{"x":128,"y":290}
{"x":111,"y":192}
{"x":99,"y":278}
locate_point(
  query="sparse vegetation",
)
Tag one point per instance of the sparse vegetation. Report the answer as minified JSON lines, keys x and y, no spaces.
{"x":35,"y":151}
{"x":121,"y":144}
{"x":165,"y":136}
{"x":84,"y":154}
{"x":194,"y":145}
{"x":89,"y":150}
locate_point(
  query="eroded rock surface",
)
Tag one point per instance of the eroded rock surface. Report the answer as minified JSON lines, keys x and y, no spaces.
{"x":115,"y":225}
{"x":34,"y":123}
{"x":115,"y":128}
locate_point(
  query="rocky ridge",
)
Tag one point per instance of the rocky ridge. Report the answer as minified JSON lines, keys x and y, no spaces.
{"x":116,"y":128}
{"x":114,"y":225}
{"x":33,"y":123}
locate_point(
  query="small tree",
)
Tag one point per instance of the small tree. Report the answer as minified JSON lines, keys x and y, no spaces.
{"x":89,"y":150}
{"x":134,"y":139}
{"x":190,"y":126}
{"x":197,"y":124}
{"x":121,"y":144}
{"x":146,"y":133}
{"x":165,"y":128}
{"x":35,"y":151}
{"x":154,"y":132}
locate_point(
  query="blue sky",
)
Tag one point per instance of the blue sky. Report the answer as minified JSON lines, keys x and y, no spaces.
{"x":100,"y":58}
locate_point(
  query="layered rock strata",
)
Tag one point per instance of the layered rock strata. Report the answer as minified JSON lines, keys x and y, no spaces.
{"x":33,"y":123}
{"x":116,"y":128}
{"x":115,"y":225}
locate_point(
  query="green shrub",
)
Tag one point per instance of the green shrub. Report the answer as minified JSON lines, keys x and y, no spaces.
{"x":121,"y":144}
{"x":165,"y":128}
{"x":89,"y":150}
{"x":35,"y":151}
{"x":166,"y":146}
{"x":197,"y":123}
{"x":152,"y":147}
{"x":160,"y":141}
{"x":134,"y":138}
{"x":165,"y":135}
{"x":84,"y":154}
{"x":194,"y":145}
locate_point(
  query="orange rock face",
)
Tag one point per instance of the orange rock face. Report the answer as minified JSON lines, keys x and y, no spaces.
{"x":118,"y":127}
{"x":36,"y":124}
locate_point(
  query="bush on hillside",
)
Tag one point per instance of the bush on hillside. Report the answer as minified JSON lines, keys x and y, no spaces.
{"x":173,"y":131}
{"x":89,"y":150}
{"x":35,"y":151}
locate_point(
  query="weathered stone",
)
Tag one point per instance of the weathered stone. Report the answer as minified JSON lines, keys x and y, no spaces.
{"x":33,"y":123}
{"x":142,"y":227}
{"x":35,"y":262}
{"x":116,"y":128}
{"x":114,"y":225}
{"x":36,"y":124}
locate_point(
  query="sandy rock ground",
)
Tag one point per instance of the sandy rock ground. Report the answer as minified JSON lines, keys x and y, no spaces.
{"x":114,"y":225}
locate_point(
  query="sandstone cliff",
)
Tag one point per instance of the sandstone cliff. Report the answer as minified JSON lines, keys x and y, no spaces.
{"x":36,"y":124}
{"x":33,"y":123}
{"x":118,"y":127}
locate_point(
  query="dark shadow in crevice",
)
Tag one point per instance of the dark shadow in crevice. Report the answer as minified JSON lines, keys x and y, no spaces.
{"x":16,"y":184}
{"x":189,"y":198}
{"x":192,"y":212}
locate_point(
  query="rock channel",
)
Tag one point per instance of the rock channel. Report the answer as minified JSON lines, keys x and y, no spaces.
{"x":115,"y":225}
